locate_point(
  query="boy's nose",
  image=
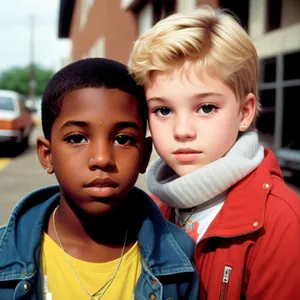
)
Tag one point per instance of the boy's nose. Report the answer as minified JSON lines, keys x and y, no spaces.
{"x":102,"y":158}
{"x":184,"y":130}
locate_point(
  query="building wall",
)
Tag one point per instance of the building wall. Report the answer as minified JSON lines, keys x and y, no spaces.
{"x":212,"y":3}
{"x":257,"y":18}
{"x":107,"y":28}
{"x":102,"y":28}
{"x":290,"y":12}
{"x":186,"y":5}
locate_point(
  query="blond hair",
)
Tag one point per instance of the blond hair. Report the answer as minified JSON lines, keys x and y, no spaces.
{"x":212,"y":39}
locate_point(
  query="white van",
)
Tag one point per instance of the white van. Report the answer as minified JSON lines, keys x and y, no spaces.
{"x":16,"y":122}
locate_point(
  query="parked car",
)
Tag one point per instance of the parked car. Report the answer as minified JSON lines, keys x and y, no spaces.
{"x":16,"y":121}
{"x":289,"y":157}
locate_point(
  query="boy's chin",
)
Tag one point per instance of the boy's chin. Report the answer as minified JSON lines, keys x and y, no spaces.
{"x":100,"y":209}
{"x":186,"y":169}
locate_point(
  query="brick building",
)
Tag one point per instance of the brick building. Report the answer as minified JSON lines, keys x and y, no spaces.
{"x":108,"y":28}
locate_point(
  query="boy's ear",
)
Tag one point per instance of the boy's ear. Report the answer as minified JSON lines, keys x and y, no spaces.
{"x":248,"y":111}
{"x":146,"y":154}
{"x":43,"y":149}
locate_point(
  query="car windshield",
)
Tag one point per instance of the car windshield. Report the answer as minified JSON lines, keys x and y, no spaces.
{"x":6,"y":103}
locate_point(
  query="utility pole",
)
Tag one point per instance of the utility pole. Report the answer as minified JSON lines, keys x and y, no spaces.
{"x":32,"y":81}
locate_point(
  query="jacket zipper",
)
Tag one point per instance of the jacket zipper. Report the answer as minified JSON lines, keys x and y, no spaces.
{"x":227,"y":269}
{"x":225,"y":281}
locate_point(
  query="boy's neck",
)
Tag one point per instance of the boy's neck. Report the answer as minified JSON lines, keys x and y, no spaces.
{"x":105,"y":229}
{"x":94,"y":238}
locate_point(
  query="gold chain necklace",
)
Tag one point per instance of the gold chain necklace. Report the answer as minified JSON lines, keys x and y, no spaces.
{"x":184,"y":221}
{"x":108,"y":283}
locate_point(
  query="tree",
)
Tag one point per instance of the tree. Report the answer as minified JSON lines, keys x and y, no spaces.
{"x":17,"y":79}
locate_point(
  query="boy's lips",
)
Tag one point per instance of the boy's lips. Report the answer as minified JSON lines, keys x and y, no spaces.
{"x":101,"y":188}
{"x":186,"y":151}
{"x":102,"y":182}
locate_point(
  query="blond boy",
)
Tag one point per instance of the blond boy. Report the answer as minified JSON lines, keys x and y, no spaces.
{"x":214,"y":179}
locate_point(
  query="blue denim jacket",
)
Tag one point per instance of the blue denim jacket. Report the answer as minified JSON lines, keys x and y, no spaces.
{"x":167,"y":252}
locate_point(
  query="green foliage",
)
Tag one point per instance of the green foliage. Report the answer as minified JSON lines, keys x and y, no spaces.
{"x":17,"y":79}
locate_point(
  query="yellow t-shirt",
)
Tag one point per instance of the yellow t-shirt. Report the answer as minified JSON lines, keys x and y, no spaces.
{"x":63,"y":284}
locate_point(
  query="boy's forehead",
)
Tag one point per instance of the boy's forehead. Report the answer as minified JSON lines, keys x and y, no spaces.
{"x":101,"y":101}
{"x":187,"y":82}
{"x":101,"y":95}
{"x":183,"y":76}
{"x":188,"y":71}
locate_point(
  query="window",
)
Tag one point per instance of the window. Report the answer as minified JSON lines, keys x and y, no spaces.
{"x":279,"y":88}
{"x":239,"y":8}
{"x":157,"y":9}
{"x":148,"y":12}
{"x":267,"y":96}
{"x":168,"y":8}
{"x":162,"y":8}
{"x":6,"y":103}
{"x":291,"y":108}
{"x":145,"y":18}
{"x":268,"y":70}
{"x":274,"y":8}
{"x":291,"y":66}
{"x":266,"y":121}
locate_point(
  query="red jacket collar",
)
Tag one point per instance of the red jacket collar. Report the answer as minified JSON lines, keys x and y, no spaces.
{"x":244,"y":208}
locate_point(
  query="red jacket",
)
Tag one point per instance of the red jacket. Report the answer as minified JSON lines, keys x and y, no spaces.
{"x":251,"y":250}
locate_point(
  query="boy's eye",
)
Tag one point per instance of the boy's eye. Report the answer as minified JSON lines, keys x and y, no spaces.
{"x":206,"y":109}
{"x":124,"y":140}
{"x":76,"y":139}
{"x":162,"y":111}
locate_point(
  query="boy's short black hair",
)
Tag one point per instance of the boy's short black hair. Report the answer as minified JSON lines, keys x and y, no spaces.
{"x":90,"y":72}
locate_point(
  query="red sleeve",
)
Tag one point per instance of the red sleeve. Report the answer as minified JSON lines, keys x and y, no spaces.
{"x":275,"y":268}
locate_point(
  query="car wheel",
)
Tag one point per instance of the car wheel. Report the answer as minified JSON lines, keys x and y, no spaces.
{"x":25,"y":142}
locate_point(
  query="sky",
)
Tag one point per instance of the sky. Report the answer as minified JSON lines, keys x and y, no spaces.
{"x":49,"y":50}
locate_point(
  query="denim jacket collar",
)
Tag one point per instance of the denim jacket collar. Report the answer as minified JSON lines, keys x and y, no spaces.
{"x":20,"y":240}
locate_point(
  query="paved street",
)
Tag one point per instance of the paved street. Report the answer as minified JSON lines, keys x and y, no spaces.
{"x":22,"y":174}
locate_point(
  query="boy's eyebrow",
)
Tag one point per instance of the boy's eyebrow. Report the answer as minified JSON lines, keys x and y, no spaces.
{"x":204,"y":95}
{"x":119,"y":126}
{"x":196,"y":96}
{"x":75,"y":123}
{"x":159,"y":99}
{"x":124,"y":125}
